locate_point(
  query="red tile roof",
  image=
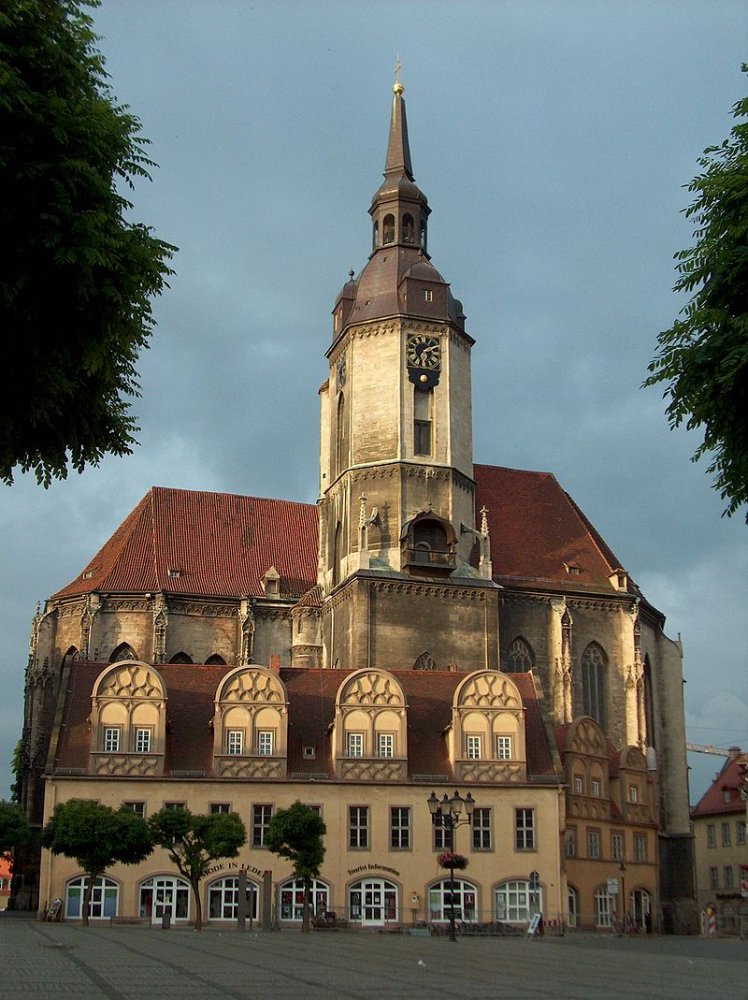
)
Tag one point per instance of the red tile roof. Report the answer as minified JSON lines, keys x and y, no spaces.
{"x":191,"y":689}
{"x":537,"y":530}
{"x":726,"y":784}
{"x":214,"y":544}
{"x":221,"y":545}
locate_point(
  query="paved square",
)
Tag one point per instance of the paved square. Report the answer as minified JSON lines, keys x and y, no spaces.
{"x":50,"y":961}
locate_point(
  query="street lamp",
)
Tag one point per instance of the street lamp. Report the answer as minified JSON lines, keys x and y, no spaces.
{"x":622,"y":870}
{"x":448,"y":814}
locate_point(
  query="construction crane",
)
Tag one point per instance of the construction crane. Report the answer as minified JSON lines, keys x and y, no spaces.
{"x":715,"y":751}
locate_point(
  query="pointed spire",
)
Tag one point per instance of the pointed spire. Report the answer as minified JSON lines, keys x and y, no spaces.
{"x":398,"y":148}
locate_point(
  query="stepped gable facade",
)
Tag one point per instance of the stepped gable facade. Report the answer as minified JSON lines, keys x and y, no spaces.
{"x":429,"y":623}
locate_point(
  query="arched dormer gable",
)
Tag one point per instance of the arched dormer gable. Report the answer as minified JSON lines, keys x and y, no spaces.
{"x":250,"y":724}
{"x":128,"y":720}
{"x":370,"y":732}
{"x":631,"y":787}
{"x":586,"y":738}
{"x":487,"y":740}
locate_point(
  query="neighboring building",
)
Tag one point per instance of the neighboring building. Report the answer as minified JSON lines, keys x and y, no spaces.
{"x":5,"y":879}
{"x":233,"y":651}
{"x":720,"y":849}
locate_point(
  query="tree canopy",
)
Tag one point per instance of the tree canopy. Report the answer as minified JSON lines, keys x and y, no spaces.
{"x":703,"y":357}
{"x":296,"y":834}
{"x":14,"y":828}
{"x":78,"y":276}
{"x":193,"y":843}
{"x":96,"y":837}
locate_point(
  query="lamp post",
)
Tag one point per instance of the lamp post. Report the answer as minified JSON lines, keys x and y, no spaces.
{"x":622,"y":870}
{"x":449,"y":813}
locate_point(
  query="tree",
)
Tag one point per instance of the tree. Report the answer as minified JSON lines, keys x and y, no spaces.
{"x":703,"y":357}
{"x":14,"y":828}
{"x":296,"y":834}
{"x":194,"y":842}
{"x":78,"y":277}
{"x":97,"y":837}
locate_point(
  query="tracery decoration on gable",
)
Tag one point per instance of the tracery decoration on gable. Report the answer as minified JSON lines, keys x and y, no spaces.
{"x":370,"y":733}
{"x":486,"y":738}
{"x":488,"y":689}
{"x":250,"y":724}
{"x":586,"y":737}
{"x":128,"y":720}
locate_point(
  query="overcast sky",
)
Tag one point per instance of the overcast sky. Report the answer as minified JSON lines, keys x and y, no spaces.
{"x":553,"y":141}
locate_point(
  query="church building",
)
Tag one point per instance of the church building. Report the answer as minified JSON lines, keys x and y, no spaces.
{"x":431,"y":625}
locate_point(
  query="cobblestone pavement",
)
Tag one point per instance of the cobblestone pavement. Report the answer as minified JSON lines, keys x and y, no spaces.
{"x":46,"y":961}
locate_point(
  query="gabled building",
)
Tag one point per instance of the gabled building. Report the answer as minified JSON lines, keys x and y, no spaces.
{"x":431,"y":623}
{"x":720,"y":846}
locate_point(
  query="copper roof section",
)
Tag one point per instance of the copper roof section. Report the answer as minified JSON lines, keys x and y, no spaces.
{"x":211,"y":544}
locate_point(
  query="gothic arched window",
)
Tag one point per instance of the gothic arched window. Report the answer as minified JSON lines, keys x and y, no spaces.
{"x":216,"y":659}
{"x":181,"y":657}
{"x":649,"y":715}
{"x":123,"y":652}
{"x":425,"y":662}
{"x":341,"y":440}
{"x":430,"y":535}
{"x":594,"y":666}
{"x":519,"y":658}
{"x":388,"y":229}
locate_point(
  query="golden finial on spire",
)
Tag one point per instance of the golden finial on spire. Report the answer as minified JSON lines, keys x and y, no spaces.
{"x":397,"y":86}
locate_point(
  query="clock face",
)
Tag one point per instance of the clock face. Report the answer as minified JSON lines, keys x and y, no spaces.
{"x":423,"y":352}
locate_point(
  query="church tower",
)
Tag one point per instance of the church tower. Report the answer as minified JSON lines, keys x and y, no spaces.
{"x":397,"y":495}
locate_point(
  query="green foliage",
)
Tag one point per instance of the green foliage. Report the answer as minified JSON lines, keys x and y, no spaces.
{"x":14,"y":828}
{"x":296,"y":834}
{"x":96,"y":837}
{"x":193,"y":843}
{"x":77,"y":279}
{"x":703,"y":357}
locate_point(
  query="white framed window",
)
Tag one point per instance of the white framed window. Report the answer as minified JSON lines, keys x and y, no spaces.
{"x":573,"y":905}
{"x":111,"y":739}
{"x":292,"y":898}
{"x":728,"y":876}
{"x":164,"y":895}
{"x":725,"y":834}
{"x":443,"y":838}
{"x":714,"y":878}
{"x":570,"y":842}
{"x":261,"y":816}
{"x":596,"y":788}
{"x":503,"y":748}
{"x":640,"y":847}
{"x":481,"y":829}
{"x":223,"y":899}
{"x":428,"y":295}
{"x":524,"y":829}
{"x":616,"y":845}
{"x":516,"y":902}
{"x":442,"y":895}
{"x":399,"y":827}
{"x":234,"y":742}
{"x":385,"y":745}
{"x":137,"y":807}
{"x":219,"y":808}
{"x":633,"y":793}
{"x":355,"y":744}
{"x":473,"y":747}
{"x":740,"y":832}
{"x":593,"y":845}
{"x":358,"y":826}
{"x":578,"y":785}
{"x":265,"y":742}
{"x":104,"y":898}
{"x":711,"y":837}
{"x":143,"y":740}
{"x":603,"y":908}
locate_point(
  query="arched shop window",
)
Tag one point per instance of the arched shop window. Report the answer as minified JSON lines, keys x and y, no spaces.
{"x":163,"y":894}
{"x":573,"y":901}
{"x":104,"y":898}
{"x":372,"y":902}
{"x":516,"y":902}
{"x":223,"y":899}
{"x":603,"y":908}
{"x":465,"y":896}
{"x":292,"y":899}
